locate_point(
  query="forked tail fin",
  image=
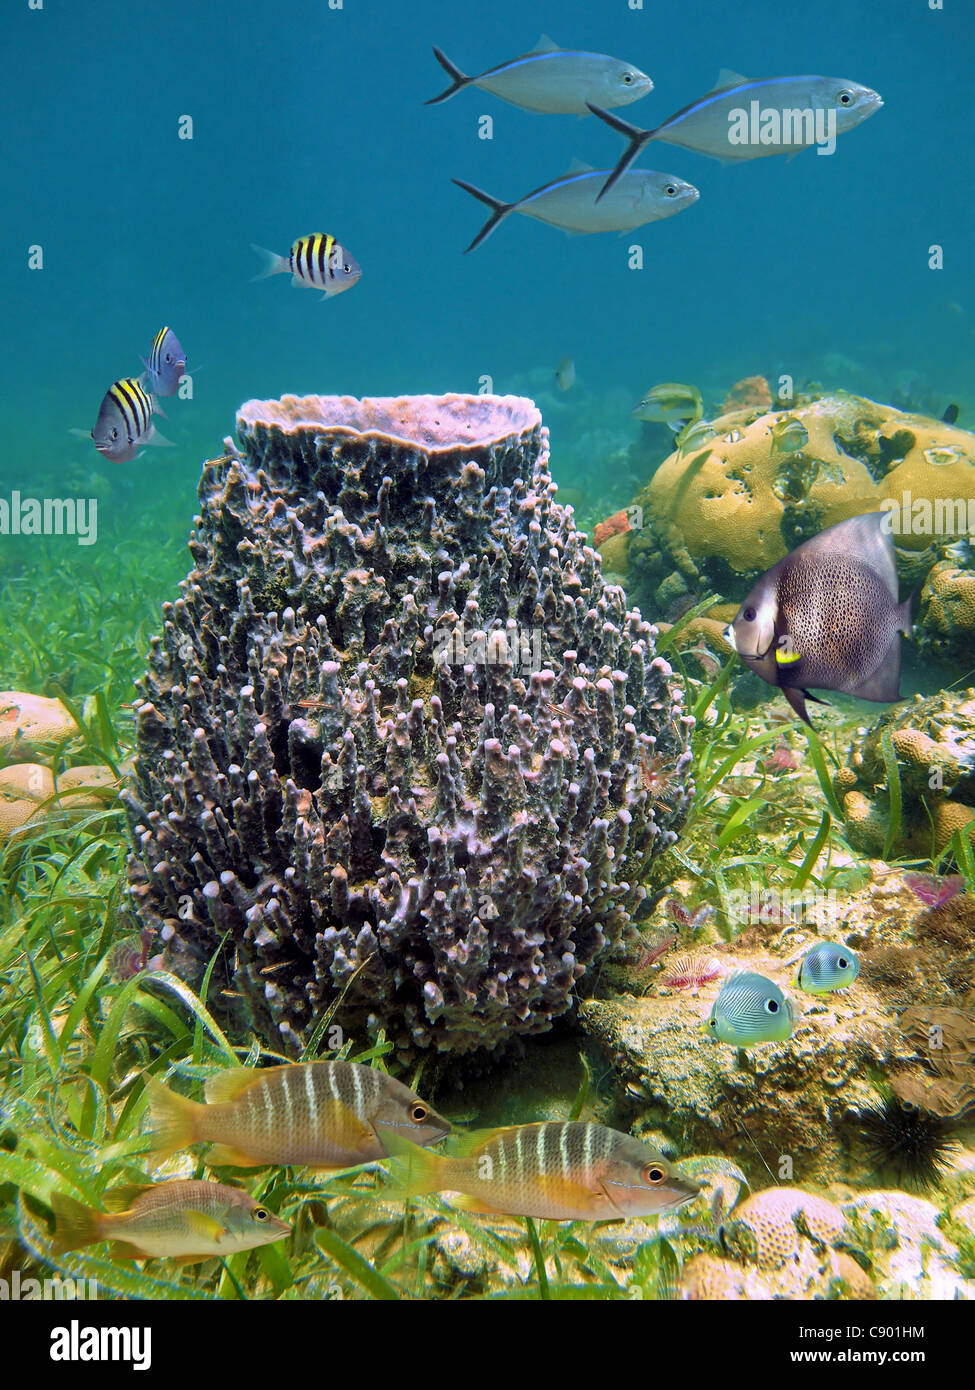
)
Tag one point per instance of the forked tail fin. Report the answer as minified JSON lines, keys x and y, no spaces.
{"x":458,"y":81}
{"x":499,"y":211}
{"x":637,"y":139}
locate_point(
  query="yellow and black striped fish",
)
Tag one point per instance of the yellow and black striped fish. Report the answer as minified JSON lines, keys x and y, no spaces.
{"x":316,"y":1114}
{"x":558,"y":1171}
{"x":124,"y":421}
{"x":166,"y":363}
{"x":316,"y":262}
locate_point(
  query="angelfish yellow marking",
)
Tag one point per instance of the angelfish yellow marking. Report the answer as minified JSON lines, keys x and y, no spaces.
{"x":787,"y":658}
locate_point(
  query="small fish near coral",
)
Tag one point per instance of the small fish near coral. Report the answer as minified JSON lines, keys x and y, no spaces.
{"x":750,"y":1010}
{"x":313,"y":1114}
{"x":565,"y":374}
{"x":552,"y":80}
{"x":828,"y":966}
{"x":569,"y":202}
{"x":827,"y":616}
{"x":741,"y":119}
{"x":315,"y":262}
{"x":678,"y":405}
{"x":185,"y":1221}
{"x":165,"y":366}
{"x":124,"y":423}
{"x":557,"y":1171}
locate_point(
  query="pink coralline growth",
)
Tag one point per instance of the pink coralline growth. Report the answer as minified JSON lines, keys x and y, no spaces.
{"x":781,"y":759}
{"x":751,"y":393}
{"x":612,"y":526}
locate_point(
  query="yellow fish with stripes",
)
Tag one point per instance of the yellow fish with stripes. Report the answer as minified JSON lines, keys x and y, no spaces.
{"x":186,"y":1221}
{"x":312,"y":1114}
{"x":316,"y":262}
{"x":570,"y":1170}
{"x":124,"y":421}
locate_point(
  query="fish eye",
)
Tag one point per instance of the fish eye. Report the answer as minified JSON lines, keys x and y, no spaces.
{"x":845,"y":98}
{"x":419,"y":1112}
{"x":748,"y":614}
{"x":627,"y":78}
{"x":115,"y":434}
{"x":671,"y":191}
{"x":712,"y":1022}
{"x":653,"y":1174}
{"x":771,"y":1006}
{"x":261,"y":1214}
{"x":347,"y":269}
{"x":842,"y":962}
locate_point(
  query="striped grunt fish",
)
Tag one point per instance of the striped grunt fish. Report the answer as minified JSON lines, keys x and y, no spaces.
{"x":558,"y":1171}
{"x":184,"y":1221}
{"x":315,"y":1114}
{"x":316,"y":262}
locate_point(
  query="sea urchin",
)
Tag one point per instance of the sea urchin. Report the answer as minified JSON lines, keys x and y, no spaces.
{"x":909,"y":1142}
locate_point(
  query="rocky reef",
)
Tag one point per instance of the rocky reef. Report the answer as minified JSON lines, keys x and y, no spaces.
{"x":393,"y":737}
{"x":933,"y":743}
{"x":719,"y":512}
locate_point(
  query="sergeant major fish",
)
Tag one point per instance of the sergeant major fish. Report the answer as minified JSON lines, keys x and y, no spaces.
{"x":556,"y":1171}
{"x":552,"y":80}
{"x":827,"y":616}
{"x":186,"y":1221}
{"x":570,"y":202}
{"x":166,"y":364}
{"x":316,"y":262}
{"x":316,"y":1114}
{"x":791,"y":105}
{"x":124,"y":423}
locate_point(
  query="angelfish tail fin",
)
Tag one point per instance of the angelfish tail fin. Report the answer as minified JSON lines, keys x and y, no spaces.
{"x":458,"y":79}
{"x":637,"y":139}
{"x":499,"y":211}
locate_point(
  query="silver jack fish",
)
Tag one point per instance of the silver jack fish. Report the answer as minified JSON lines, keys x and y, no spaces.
{"x":827,"y":616}
{"x":751,"y":120}
{"x":316,"y":262}
{"x":570,"y":202}
{"x":552,"y":80}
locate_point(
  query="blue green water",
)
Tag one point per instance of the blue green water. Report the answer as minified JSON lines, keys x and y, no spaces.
{"x":312,"y":119}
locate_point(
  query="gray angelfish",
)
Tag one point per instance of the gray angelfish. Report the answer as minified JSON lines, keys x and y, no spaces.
{"x":827,"y":616}
{"x":552,"y":80}
{"x":570,"y":202}
{"x":741,"y":119}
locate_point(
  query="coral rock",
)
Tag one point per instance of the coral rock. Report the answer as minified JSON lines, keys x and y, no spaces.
{"x":29,"y":720}
{"x":391,"y":732}
{"x":751,"y":393}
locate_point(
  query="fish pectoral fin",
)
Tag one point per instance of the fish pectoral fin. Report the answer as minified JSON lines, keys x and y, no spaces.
{"x":338,"y":1120}
{"x":202,"y":1225}
{"x":225,"y":1156}
{"x":786,"y":657}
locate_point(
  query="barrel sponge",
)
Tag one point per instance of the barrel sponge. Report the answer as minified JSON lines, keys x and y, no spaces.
{"x":730,"y":497}
{"x":392,"y":736}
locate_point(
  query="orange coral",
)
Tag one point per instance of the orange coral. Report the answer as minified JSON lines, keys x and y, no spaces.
{"x":612,"y":526}
{"x":752,"y":392}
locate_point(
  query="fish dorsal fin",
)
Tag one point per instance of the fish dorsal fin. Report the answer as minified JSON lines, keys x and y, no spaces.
{"x":473,"y":1140}
{"x":866,"y":538}
{"x":727,"y":78}
{"x":229,"y":1085}
{"x":123,"y":1197}
{"x":578,"y":166}
{"x":544,"y":44}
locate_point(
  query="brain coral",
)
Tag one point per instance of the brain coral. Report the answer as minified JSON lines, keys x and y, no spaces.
{"x":391,"y":733}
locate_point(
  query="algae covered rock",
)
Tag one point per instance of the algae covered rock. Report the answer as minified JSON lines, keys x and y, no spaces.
{"x":27,"y":721}
{"x":947,"y":612}
{"x":933,"y":742}
{"x":391,"y":733}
